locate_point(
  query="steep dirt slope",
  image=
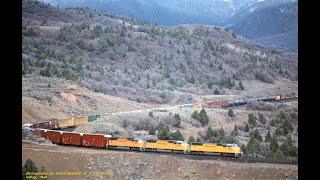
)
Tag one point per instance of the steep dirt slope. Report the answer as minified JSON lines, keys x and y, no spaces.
{"x":46,"y":98}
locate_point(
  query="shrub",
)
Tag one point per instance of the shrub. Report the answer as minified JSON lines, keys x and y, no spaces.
{"x":191,"y":139}
{"x":230,"y":113}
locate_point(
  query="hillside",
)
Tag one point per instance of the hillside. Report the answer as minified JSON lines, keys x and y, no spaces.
{"x":45,"y":98}
{"x":273,"y":25}
{"x":145,"y":63}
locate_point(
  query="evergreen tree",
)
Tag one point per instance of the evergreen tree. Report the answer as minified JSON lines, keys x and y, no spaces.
{"x":177,"y":121}
{"x":274,"y":144}
{"x":221,"y":133}
{"x":151,"y":114}
{"x":230,"y":113}
{"x":251,"y":146}
{"x":252,"y":119}
{"x":240,"y":85}
{"x":287,"y":127}
{"x":279,"y":154}
{"x":29,"y":166}
{"x":273,"y":123}
{"x":244,"y":149}
{"x":195,"y":115}
{"x":268,"y":137}
{"x":163,"y":132}
{"x":191,"y":139}
{"x":284,"y":147}
{"x":204,"y":119}
{"x":247,"y":128}
{"x":257,"y":135}
{"x":198,"y":139}
{"x":209,"y":133}
{"x":262,"y":119}
{"x":152,"y":131}
{"x":257,"y":147}
{"x":179,"y":135}
{"x":216,"y":91}
{"x":278,"y":131}
{"x":269,"y":154}
{"x":235,"y":131}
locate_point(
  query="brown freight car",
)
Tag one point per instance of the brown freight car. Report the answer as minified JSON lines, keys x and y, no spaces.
{"x":42,"y":125}
{"x":54,"y":124}
{"x":71,"y":138}
{"x":40,"y":132}
{"x":216,"y":104}
{"x":54,"y":136}
{"x":80,"y":120}
{"x":65,"y":123}
{"x":95,"y":140}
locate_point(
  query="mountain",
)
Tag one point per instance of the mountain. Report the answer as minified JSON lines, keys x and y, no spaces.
{"x":121,"y":57}
{"x":273,"y":25}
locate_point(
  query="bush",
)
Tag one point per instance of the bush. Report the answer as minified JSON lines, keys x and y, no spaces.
{"x":151,"y":114}
{"x":264,"y":77}
{"x":257,"y":135}
{"x":241,"y":86}
{"x":274,"y":144}
{"x":209,"y":133}
{"x":230,"y":113}
{"x":176,"y":136}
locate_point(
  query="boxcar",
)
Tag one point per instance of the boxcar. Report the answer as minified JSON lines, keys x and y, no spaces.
{"x":95,"y":140}
{"x":54,"y":136}
{"x":71,"y":138}
{"x":54,"y":124}
{"x":65,"y":123}
{"x":130,"y":143}
{"x":216,"y":104}
{"x":80,"y":120}
{"x":40,"y":132}
{"x":42,"y":125}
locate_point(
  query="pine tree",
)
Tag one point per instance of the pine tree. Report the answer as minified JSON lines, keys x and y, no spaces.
{"x":251,"y":146}
{"x":209,"y":133}
{"x":177,"y":121}
{"x":247,"y":128}
{"x":191,"y":139}
{"x":244,"y":149}
{"x":252,"y":119}
{"x":221,"y":133}
{"x":284,"y":147}
{"x":268,"y":137}
{"x":262,"y":119}
{"x":195,"y":115}
{"x":151,"y":114}
{"x":204,"y":119}
{"x":257,"y":135}
{"x":198,"y":139}
{"x":216,"y":91}
{"x":240,"y":85}
{"x":257,"y":147}
{"x":274,"y":144}
{"x":273,"y":123}
{"x":235,"y":131}
{"x":152,"y":131}
{"x":278,"y":131}
{"x":29,"y":166}
{"x":230,"y":113}
{"x":279,"y":154}
{"x":163,"y":131}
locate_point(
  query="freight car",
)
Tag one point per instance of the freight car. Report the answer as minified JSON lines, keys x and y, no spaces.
{"x":209,"y":148}
{"x":95,"y":140}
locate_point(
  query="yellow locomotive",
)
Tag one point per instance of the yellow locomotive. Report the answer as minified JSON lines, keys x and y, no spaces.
{"x":173,"y":146}
{"x":209,"y":148}
{"x":129,"y":143}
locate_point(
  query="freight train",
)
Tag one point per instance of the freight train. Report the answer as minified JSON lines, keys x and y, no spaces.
{"x":239,"y":102}
{"x":108,"y":142}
